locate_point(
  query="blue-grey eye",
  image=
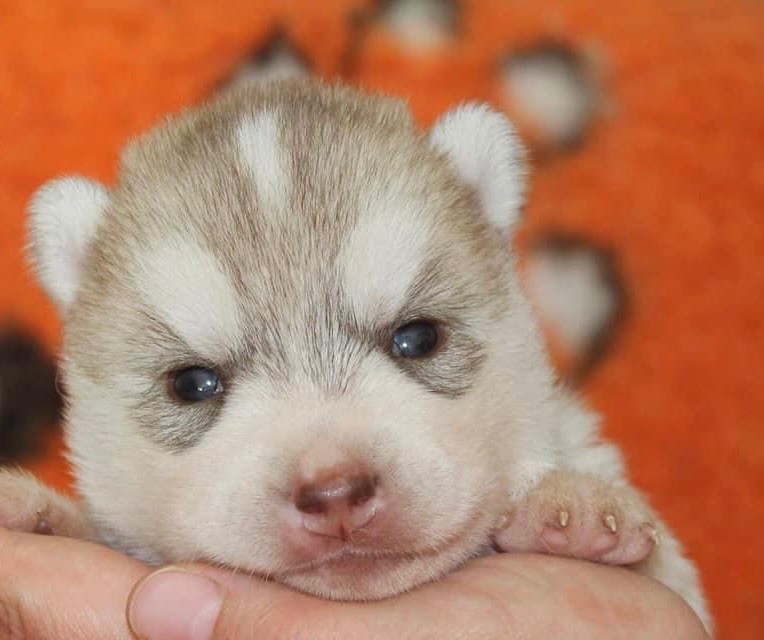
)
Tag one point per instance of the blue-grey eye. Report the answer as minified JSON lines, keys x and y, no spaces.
{"x":415,"y":339}
{"x":196,"y":384}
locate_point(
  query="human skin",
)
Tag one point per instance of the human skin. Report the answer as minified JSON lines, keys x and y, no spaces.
{"x":52,"y":588}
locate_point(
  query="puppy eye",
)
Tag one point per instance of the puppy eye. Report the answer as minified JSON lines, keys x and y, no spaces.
{"x":415,"y":340}
{"x":196,"y":384}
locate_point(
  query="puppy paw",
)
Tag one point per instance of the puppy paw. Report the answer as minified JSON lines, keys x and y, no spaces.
{"x":27,"y":505}
{"x":580,"y":516}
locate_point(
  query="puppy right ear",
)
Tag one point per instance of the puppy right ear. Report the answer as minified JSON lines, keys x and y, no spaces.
{"x":63,"y":217}
{"x":487,"y":155}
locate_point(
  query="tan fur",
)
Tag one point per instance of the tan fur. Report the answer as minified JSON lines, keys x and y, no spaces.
{"x":260,"y":261}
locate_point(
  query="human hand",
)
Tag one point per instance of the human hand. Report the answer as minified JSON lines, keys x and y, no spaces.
{"x":53,"y":588}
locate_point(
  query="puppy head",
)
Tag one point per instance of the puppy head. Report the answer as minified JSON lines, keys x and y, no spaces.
{"x":294,"y":340}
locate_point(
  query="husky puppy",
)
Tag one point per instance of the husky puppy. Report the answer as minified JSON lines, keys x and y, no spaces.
{"x":296,"y":344}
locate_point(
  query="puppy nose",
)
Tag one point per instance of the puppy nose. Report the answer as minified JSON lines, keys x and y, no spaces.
{"x":339,"y":504}
{"x":338,"y":492}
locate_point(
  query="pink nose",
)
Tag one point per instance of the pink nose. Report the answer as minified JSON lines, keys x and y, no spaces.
{"x":338,"y":505}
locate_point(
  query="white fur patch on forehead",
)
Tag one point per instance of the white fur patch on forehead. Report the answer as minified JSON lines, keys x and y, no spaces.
{"x":184,"y":284}
{"x":260,"y":148}
{"x":381,"y":257}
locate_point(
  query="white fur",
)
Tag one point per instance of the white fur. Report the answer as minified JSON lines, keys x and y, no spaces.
{"x":189,"y":290}
{"x":488,"y":155}
{"x":382,"y":256}
{"x":261,"y":152}
{"x":64,"y":216}
{"x":115,"y":492}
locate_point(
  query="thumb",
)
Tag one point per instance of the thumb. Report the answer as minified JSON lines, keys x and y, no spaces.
{"x":202,"y":603}
{"x":174,"y":604}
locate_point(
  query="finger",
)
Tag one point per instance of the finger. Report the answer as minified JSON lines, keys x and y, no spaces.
{"x":203,"y":603}
{"x":502,"y":597}
{"x":54,"y":587}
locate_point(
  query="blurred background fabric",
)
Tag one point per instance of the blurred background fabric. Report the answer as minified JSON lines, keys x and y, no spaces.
{"x":655,"y":171}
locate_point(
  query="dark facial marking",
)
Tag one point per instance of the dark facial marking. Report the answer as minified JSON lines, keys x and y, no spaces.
{"x":450,"y":367}
{"x":171,"y":409}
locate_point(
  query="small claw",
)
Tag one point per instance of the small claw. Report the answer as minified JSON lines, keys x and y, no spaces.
{"x":563,"y":518}
{"x":652,"y":533}
{"x":42,"y":524}
{"x":610,"y":523}
{"x":43,"y":527}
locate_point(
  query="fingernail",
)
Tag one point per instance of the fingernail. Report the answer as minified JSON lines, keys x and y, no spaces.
{"x":173,"y":604}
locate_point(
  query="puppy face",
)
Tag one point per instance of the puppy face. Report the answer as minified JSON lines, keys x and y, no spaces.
{"x":289,"y":337}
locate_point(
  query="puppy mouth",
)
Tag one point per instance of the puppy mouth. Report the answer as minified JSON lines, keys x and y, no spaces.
{"x":349,"y":558}
{"x":358,"y":573}
{"x":351,"y":575}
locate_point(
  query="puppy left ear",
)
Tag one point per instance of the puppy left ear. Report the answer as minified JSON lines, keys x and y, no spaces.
{"x":489,"y":157}
{"x":63,"y":217}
